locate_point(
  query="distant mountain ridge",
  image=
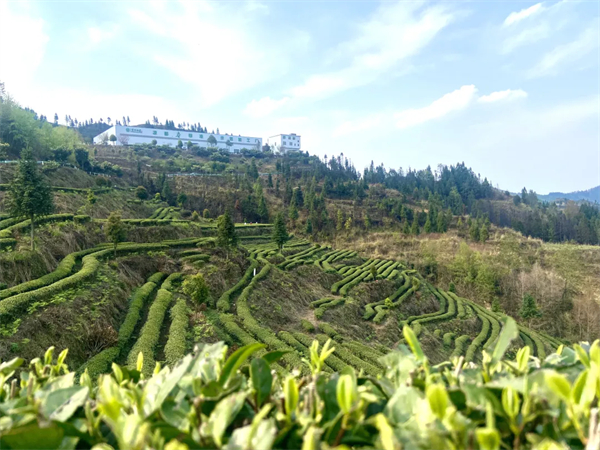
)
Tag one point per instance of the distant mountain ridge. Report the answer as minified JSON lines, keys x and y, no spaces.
{"x":590,"y":195}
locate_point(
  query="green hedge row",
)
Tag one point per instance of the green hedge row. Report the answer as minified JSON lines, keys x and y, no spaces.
{"x":344,"y":255}
{"x":301,"y":259}
{"x":307,"y":326}
{"x":171,"y":281}
{"x":325,"y":306}
{"x":241,"y":336}
{"x":223,"y":304}
{"x":156,"y":278}
{"x":150,"y":334}
{"x":100,"y":363}
{"x":491,"y":317}
{"x":195,"y":258}
{"x":478,"y":342}
{"x":540,"y":349}
{"x":365,"y":352}
{"x":176,"y":346}
{"x":386,"y":273}
{"x":11,"y":307}
{"x":459,"y":345}
{"x":434,"y":316}
{"x":448,"y":337}
{"x":370,"y":308}
{"x":351,"y":275}
{"x":7,"y":242}
{"x":380,"y":269}
{"x":346,"y":287}
{"x":156,"y":212}
{"x":134,"y":312}
{"x":348,"y":358}
{"x":64,"y":268}
{"x":25,"y":224}
{"x":528,"y":342}
{"x":329,"y":331}
{"x":264,"y":335}
{"x":321,"y":301}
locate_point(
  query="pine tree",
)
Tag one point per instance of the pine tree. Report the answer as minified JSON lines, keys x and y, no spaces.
{"x":340,"y":220}
{"x":442,"y":226}
{"x":406,"y":227}
{"x":280,"y":234}
{"x":270,"y":181}
{"x":452,"y":287}
{"x":474,"y":231}
{"x":309,"y":227}
{"x":299,"y":197}
{"x":206,"y":213}
{"x":529,"y":309}
{"x":484,"y":233}
{"x":226,"y":235}
{"x":263,"y":211}
{"x":29,"y":196}
{"x":427,"y":227}
{"x":115,"y":230}
{"x":293,"y":213}
{"x":91,"y":198}
{"x":367,"y":221}
{"x":459,"y":223}
{"x":414,"y":229}
{"x":348,"y":225}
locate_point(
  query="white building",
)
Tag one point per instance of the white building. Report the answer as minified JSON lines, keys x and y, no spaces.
{"x":127,"y":135}
{"x":284,"y":142}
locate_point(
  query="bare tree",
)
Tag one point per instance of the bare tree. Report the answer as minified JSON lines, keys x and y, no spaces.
{"x":123,"y":139}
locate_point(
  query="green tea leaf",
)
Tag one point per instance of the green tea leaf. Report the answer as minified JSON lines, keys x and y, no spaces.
{"x":236,"y":359}
{"x":262,"y":380}
{"x":510,"y":331}
{"x":438,"y":399}
{"x":558,"y":384}
{"x":488,"y":438}
{"x":413,"y":342}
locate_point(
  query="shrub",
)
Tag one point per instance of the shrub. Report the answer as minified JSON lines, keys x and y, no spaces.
{"x":176,"y":344}
{"x":479,"y":340}
{"x":448,"y":337}
{"x":223,"y":302}
{"x":100,"y":363}
{"x":150,"y":334}
{"x":196,"y":288}
{"x":325,"y":306}
{"x":459,"y":345}
{"x":81,"y":218}
{"x":329,"y":331}
{"x":349,"y":359}
{"x":138,"y":300}
{"x":172,"y":281}
{"x":307,"y":326}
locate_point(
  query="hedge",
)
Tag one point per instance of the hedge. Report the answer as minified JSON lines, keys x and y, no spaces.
{"x":325,"y":306}
{"x":100,"y":363}
{"x":346,"y":287}
{"x":10,"y":307}
{"x":479,"y":340}
{"x":329,"y":331}
{"x":223,"y":304}
{"x":307,"y":326}
{"x":495,"y":324}
{"x":24,"y":224}
{"x":367,"y":353}
{"x":448,"y":338}
{"x":195,"y":258}
{"x":138,"y":300}
{"x":349,"y":359}
{"x":459,"y":345}
{"x":150,"y":334}
{"x":437,"y":333}
{"x":175,"y":348}
{"x":171,"y":280}
{"x":156,"y":278}
{"x":319,"y":302}
{"x":64,"y":268}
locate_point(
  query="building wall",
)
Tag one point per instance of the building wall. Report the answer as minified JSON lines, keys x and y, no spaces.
{"x":285,"y":142}
{"x":139,"y":135}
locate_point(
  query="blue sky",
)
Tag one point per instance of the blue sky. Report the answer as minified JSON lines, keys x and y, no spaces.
{"x":510,"y":88}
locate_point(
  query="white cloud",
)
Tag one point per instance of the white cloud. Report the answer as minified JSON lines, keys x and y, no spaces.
{"x":213,"y":46}
{"x":264,"y":106}
{"x":506,"y":95}
{"x":518,"y":16}
{"x":100,"y":34}
{"x":451,"y":102}
{"x":395,"y":32}
{"x":525,"y":37}
{"x":22,"y":47}
{"x":565,"y":54}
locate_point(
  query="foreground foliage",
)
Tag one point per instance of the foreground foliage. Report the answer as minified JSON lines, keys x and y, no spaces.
{"x":209,"y":401}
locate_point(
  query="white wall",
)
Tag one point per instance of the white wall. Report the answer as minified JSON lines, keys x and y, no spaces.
{"x":140,"y":135}
{"x":285,"y":142}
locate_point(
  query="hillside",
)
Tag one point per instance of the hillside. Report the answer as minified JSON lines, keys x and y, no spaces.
{"x":590,"y":195}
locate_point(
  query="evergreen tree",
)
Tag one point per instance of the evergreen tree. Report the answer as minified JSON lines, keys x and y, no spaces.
{"x":459,"y":223}
{"x":427,"y":227}
{"x":348,"y":225}
{"x":340,"y":220}
{"x":226,"y":235}
{"x":406,"y":227}
{"x":414,"y":229}
{"x":115,"y":230}
{"x":484,"y":234}
{"x":289,"y":194}
{"x":442,"y":227}
{"x":29,"y":196}
{"x":195,"y":216}
{"x":181,"y":199}
{"x":293,"y":213}
{"x":452,"y":287}
{"x":496,"y":305}
{"x":299,"y":197}
{"x":270,"y":181}
{"x":167,"y":193}
{"x":280,"y":233}
{"x":277,"y":187}
{"x":263,"y":211}
{"x":367,"y":221}
{"x":206,"y":213}
{"x":309,"y":227}
{"x":474,"y":231}
{"x":529,"y":309}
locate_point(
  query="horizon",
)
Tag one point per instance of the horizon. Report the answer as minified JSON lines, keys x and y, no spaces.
{"x":509,"y":89}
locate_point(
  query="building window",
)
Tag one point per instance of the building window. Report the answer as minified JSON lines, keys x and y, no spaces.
{"x":154,"y":132}
{"x":247,"y":140}
{"x":222,"y":138}
{"x":201,"y":136}
{"x":240,"y":139}
{"x":189,"y":134}
{"x":166,"y":133}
